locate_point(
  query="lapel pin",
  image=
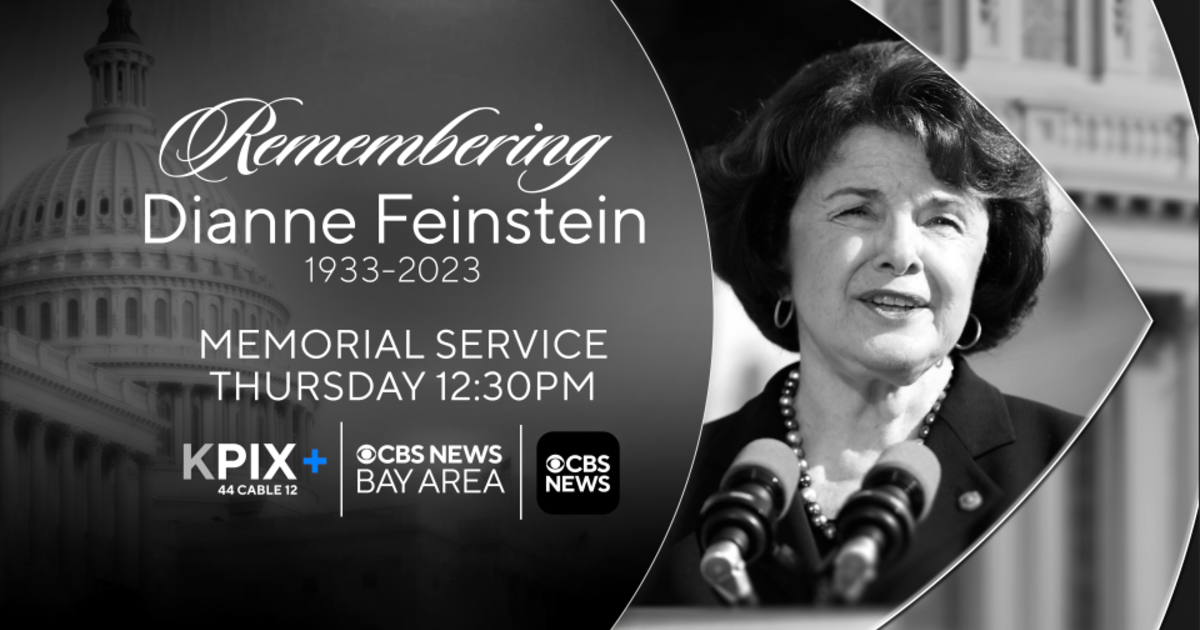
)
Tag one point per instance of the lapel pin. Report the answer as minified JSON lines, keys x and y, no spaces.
{"x":970,"y":501}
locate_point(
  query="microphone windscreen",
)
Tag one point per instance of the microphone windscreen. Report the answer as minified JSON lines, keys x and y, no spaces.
{"x":775,"y":457}
{"x":918,"y":461}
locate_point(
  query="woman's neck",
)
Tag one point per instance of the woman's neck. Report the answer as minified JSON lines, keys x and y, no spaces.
{"x":846,"y":422}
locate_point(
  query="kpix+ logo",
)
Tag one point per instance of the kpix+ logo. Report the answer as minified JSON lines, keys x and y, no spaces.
{"x":234,"y":456}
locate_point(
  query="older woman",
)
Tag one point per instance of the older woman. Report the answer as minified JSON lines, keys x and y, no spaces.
{"x":875,"y":218}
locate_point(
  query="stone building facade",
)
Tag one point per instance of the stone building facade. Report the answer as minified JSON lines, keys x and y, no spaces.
{"x":102,"y":380}
{"x":1092,"y":89}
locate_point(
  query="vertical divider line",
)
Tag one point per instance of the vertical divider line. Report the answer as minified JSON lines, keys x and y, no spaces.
{"x":341,"y":466}
{"x":520,"y":472}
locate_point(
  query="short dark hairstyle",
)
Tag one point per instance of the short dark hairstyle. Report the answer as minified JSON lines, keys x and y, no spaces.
{"x":751,"y":182}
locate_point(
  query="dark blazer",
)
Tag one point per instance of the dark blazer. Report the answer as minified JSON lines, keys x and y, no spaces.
{"x":990,"y":446}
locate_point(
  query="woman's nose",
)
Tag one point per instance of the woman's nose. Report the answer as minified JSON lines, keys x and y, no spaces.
{"x":899,"y":248}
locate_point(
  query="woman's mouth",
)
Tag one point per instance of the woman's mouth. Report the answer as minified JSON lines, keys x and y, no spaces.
{"x":894,"y":303}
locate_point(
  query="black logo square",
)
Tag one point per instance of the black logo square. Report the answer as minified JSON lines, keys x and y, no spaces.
{"x":578,"y":472}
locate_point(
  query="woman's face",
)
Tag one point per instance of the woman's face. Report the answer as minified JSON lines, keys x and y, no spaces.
{"x":883,"y":259}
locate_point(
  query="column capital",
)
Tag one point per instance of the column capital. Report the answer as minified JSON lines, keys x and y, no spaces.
{"x":144,"y":462}
{"x":187,"y":388}
{"x":9,"y":411}
{"x":121,"y":454}
{"x":67,"y":430}
{"x":94,"y":442}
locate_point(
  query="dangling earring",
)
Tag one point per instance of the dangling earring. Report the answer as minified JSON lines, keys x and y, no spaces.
{"x":790,"y":311}
{"x":978,"y":334}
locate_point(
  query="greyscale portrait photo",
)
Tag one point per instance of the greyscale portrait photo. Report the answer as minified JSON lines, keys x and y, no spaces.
{"x":870,"y":213}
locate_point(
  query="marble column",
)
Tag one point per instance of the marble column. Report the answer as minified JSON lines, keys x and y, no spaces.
{"x":179,"y":421}
{"x":237,"y":423}
{"x":146,"y":302}
{"x":118,"y":307}
{"x":32,"y":316}
{"x":95,"y":505}
{"x":87,"y":313}
{"x":152,"y":395}
{"x":145,"y":470}
{"x":206,"y":416}
{"x":39,"y":509}
{"x":58,"y":316}
{"x":249,"y":428}
{"x":221,"y":407}
{"x":1188,"y":467}
{"x":233,"y":424}
{"x":210,"y":410}
{"x":8,"y":487}
{"x":270,"y":418}
{"x":125,"y":518}
{"x":221,"y":414}
{"x":66,"y":499}
{"x":186,"y":433}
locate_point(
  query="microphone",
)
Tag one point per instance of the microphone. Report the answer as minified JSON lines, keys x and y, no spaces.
{"x":737,"y":523}
{"x":879,"y":521}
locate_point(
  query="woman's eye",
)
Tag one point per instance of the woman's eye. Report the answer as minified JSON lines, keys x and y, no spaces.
{"x":943,"y":221}
{"x":857,"y":211}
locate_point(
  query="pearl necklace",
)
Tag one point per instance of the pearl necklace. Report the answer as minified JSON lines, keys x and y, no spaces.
{"x":787,"y":400}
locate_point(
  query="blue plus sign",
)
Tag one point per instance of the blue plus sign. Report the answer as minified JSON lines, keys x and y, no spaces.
{"x":314,"y":461}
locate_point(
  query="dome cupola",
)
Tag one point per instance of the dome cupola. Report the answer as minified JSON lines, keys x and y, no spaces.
{"x":119,"y":67}
{"x":75,"y":268}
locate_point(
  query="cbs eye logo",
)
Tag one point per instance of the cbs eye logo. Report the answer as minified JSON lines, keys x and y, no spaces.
{"x":580,"y":472}
{"x":366,"y":454}
{"x":555,"y":464}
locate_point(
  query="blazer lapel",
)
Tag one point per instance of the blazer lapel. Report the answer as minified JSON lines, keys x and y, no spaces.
{"x":972,"y":422}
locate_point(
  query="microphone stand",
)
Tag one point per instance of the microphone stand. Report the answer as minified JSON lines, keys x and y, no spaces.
{"x":725,"y":571}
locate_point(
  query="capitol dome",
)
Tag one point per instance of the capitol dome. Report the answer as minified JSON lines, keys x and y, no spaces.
{"x":100,"y":329}
{"x":76,"y":269}
{"x":94,"y":192}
